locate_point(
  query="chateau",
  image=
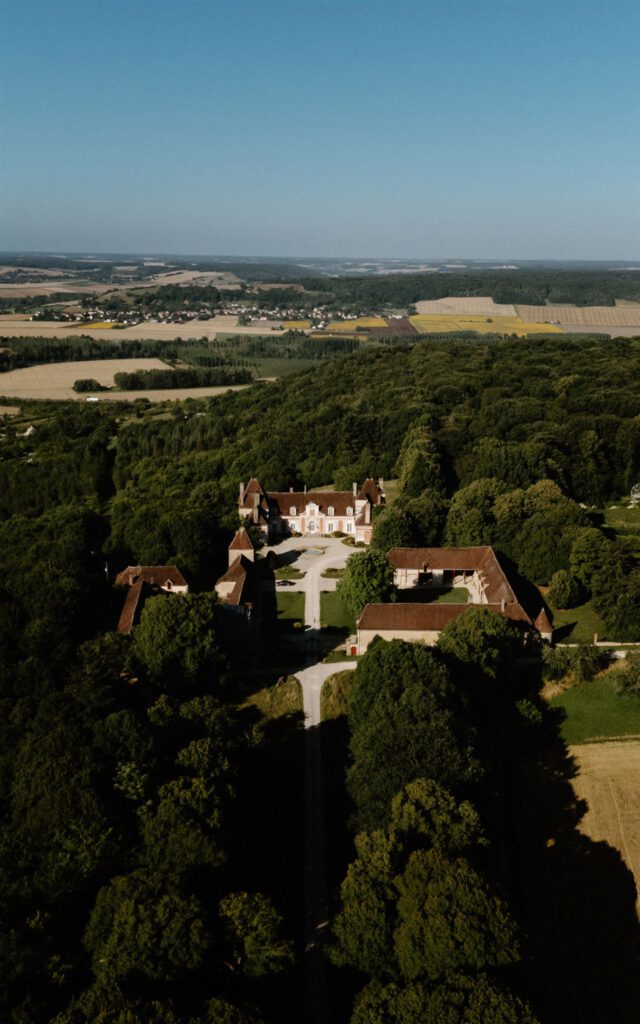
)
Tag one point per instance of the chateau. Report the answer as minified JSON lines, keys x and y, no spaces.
{"x":319,"y":513}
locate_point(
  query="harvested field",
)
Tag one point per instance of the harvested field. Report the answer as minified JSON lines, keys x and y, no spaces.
{"x":480,"y":305}
{"x":395,"y":326}
{"x":427,"y":324}
{"x":585,"y":316}
{"x":56,"y":380}
{"x":297,"y":325}
{"x":608,"y":780}
{"x":16,"y":326}
{"x":40,"y":288}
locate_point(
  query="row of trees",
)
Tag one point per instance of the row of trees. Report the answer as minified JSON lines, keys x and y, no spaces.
{"x":422,"y":918}
{"x":197,"y":377}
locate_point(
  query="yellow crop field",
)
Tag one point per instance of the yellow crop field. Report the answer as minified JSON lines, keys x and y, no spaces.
{"x":99,"y":325}
{"x":297,"y":325}
{"x":352,"y":325}
{"x":428,"y":324}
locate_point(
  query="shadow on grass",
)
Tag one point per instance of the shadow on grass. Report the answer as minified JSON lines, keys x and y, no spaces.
{"x":577,"y":896}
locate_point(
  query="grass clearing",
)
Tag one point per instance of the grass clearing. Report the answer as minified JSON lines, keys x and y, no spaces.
{"x":334,"y":696}
{"x":626,"y":522}
{"x":576,"y":625}
{"x":288,"y":572}
{"x":277,"y":700}
{"x":290,"y":609}
{"x":595,"y":712}
{"x":334,"y":614}
{"x":332,"y":574}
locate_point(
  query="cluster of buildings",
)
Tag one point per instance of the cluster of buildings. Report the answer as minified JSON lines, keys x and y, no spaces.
{"x":420,"y":574}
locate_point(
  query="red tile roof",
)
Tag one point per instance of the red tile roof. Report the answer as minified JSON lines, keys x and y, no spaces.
{"x":427,"y":617}
{"x":157,"y":575}
{"x":340,"y":501}
{"x":426,"y":559}
{"x":242,"y":541}
{"x":240,"y":573}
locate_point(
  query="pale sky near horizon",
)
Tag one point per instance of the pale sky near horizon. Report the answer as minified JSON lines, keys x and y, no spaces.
{"x":483,"y":129}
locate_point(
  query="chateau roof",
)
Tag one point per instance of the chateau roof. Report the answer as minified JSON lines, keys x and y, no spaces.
{"x":254,"y":487}
{"x":156,"y":575}
{"x":241,"y":541}
{"x":240,"y":573}
{"x":371,"y":490}
{"x":424,"y":559}
{"x":339,"y":501}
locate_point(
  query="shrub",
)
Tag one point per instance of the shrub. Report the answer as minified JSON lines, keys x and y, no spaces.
{"x":565,"y":590}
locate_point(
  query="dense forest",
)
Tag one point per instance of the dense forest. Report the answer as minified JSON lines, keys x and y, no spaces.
{"x":150,"y":819}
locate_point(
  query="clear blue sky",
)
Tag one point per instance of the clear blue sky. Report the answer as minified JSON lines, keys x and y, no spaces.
{"x":490,"y":128}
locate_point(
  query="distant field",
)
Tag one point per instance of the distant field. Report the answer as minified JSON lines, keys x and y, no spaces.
{"x":352,"y":325}
{"x":585,"y":316}
{"x":428,"y":324}
{"x":13,"y":326}
{"x":297,"y":325}
{"x":608,"y":780}
{"x":56,"y":380}
{"x":480,"y":305}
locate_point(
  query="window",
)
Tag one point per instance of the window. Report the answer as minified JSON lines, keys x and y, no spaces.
{"x":312,"y":527}
{"x":331,"y":511}
{"x":349,"y":510}
{"x":330,"y":527}
{"x":292,"y":510}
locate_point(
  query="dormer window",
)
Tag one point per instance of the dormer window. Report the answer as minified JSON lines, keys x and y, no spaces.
{"x":349,"y":510}
{"x":292,"y":510}
{"x":331,"y":511}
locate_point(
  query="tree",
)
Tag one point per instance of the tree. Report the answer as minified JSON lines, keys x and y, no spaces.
{"x":449,"y":920}
{"x":144,"y":924}
{"x":482,"y":640}
{"x":367,"y":579}
{"x":476,"y":999}
{"x":178,"y":640}
{"x":589,"y":550}
{"x":393,"y":528}
{"x":418,"y":465}
{"x":253,"y":930}
{"x":565,"y":590}
{"x":471,"y":518}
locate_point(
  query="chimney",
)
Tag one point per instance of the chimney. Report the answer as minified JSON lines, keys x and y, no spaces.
{"x":305,"y":488}
{"x":355,"y":488}
{"x":503,"y":605}
{"x":291,"y":490}
{"x":381,"y":484}
{"x":241,"y":501}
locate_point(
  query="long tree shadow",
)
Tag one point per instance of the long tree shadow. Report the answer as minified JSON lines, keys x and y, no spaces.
{"x":577,"y":896}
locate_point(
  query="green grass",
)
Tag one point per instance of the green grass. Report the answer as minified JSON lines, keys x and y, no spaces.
{"x":275,"y":367}
{"x":594,"y":711}
{"x":626,"y":522}
{"x":577,"y":625}
{"x":334,"y":696}
{"x":290,"y":609}
{"x":456,"y":595}
{"x":288,"y":572}
{"x":332,"y":574}
{"x":278,"y":700}
{"x":391,"y":488}
{"x":334,"y":614}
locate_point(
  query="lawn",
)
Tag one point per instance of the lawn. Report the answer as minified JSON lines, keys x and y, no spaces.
{"x":288,"y":572}
{"x":626,"y":522}
{"x":594,"y":711}
{"x":332,"y":574}
{"x":334,"y":696}
{"x":576,"y":625}
{"x":433,"y":595}
{"x":278,"y":700}
{"x":334,"y":614}
{"x":290,"y":610}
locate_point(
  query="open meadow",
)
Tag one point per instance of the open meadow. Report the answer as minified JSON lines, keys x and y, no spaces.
{"x":469,"y":305}
{"x":56,"y":380}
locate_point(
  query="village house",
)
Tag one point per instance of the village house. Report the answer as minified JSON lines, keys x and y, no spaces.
{"x":316,"y":513}
{"x":236,"y":587}
{"x":146,"y":581}
{"x":476,"y":570}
